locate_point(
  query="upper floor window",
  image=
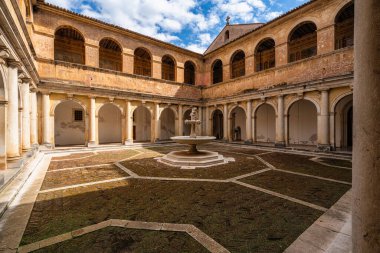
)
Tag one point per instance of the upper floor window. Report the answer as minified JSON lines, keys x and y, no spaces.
{"x":110,"y":55}
{"x":142,"y":62}
{"x":217,"y":72}
{"x":168,"y":68}
{"x":303,"y":42}
{"x":189,"y":72}
{"x":344,"y":27}
{"x":238,"y":64}
{"x":69,"y":46}
{"x":265,"y":57}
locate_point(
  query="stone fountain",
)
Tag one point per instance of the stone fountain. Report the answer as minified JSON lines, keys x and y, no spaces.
{"x":193,"y":158}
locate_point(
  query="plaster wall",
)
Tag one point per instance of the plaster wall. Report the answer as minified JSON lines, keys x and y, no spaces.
{"x":302,"y":120}
{"x":142,"y":124}
{"x":110,"y":124}
{"x":66,"y":130}
{"x":265,"y":124}
{"x":167,"y":124}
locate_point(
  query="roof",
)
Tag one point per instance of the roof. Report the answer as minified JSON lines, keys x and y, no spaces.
{"x":234,"y":32}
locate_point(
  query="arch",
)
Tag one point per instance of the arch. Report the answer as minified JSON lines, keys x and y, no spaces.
{"x":167,"y":119}
{"x":343,"y":123}
{"x":237,"y":64}
{"x":186,"y":128}
{"x":3,"y":86}
{"x":287,"y":108}
{"x":265,"y":55}
{"x":110,"y":124}
{"x":217,"y":71}
{"x":217,"y":124}
{"x":142,"y":124}
{"x":237,"y":116}
{"x":110,"y":54}
{"x":302,"y":123}
{"x":168,"y":68}
{"x":69,"y":123}
{"x":189,"y":72}
{"x":69,"y":45}
{"x":142,"y":62}
{"x":265,"y":120}
{"x":344,"y":26}
{"x":302,"y":41}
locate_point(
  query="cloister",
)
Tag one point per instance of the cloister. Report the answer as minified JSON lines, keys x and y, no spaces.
{"x":75,"y":84}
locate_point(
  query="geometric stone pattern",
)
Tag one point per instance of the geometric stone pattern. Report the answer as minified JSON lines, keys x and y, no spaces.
{"x":193,"y":231}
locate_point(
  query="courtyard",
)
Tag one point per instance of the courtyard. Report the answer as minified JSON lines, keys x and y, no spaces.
{"x":123,"y":200}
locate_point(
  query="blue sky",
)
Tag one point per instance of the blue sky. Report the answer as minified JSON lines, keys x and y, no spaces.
{"x":190,"y":24}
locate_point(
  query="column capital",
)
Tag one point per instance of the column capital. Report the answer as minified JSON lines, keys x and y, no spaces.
{"x":92,"y":96}
{"x":45,"y":93}
{"x":14,"y":64}
{"x":4,"y":55}
{"x":27,"y":80}
{"x":324,"y":89}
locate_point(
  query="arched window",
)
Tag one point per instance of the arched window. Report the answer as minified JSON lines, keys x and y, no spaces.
{"x":189,"y":73}
{"x":142,"y":62}
{"x":238,"y":64}
{"x":217,"y":72}
{"x":303,"y":42}
{"x":227,"y":35}
{"x":168,"y":68}
{"x":344,"y":27}
{"x":69,"y":45}
{"x":265,"y":57}
{"x":110,"y":55}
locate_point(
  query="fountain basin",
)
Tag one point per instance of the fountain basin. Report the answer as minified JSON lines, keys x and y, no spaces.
{"x":193,"y":140}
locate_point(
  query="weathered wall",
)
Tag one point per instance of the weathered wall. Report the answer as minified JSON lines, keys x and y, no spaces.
{"x":302,"y":120}
{"x":142,"y":124}
{"x":109,"y":124}
{"x":265,"y":124}
{"x":66,"y":130}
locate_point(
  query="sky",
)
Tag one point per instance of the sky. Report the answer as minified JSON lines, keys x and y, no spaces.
{"x":190,"y":24}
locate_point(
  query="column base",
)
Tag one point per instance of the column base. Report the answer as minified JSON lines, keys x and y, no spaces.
{"x":248,"y":142}
{"x":47,"y":145}
{"x":280,"y":144}
{"x":13,"y":158}
{"x":324,"y":147}
{"x":91,"y":144}
{"x":128,"y":142}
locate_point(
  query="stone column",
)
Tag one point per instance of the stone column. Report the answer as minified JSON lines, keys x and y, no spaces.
{"x":199,"y":127}
{"x":46,"y":138}
{"x":180,"y":120}
{"x":128,"y":124}
{"x":13,"y":150}
{"x":157,"y":122}
{"x":280,"y":122}
{"x":20,"y":120}
{"x":323,"y":122}
{"x":25,"y":95}
{"x":225,"y":122}
{"x":33,"y":118}
{"x":92,"y":139}
{"x":366,"y":153}
{"x":248,"y":122}
{"x":208,"y":127}
{"x":3,"y":128}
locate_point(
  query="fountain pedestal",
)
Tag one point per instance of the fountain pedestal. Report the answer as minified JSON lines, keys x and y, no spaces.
{"x":193,"y":158}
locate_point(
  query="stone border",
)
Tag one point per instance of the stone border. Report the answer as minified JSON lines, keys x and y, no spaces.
{"x":205,"y":240}
{"x":331,"y":233}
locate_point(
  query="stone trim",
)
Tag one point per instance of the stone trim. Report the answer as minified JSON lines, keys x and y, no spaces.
{"x":205,"y":240}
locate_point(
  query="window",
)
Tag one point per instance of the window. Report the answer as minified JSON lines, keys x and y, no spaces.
{"x":344,"y":27}
{"x":78,"y":115}
{"x":226,"y":35}
{"x":303,"y":42}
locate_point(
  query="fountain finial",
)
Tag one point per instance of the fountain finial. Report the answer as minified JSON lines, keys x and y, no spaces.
{"x":193,"y":122}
